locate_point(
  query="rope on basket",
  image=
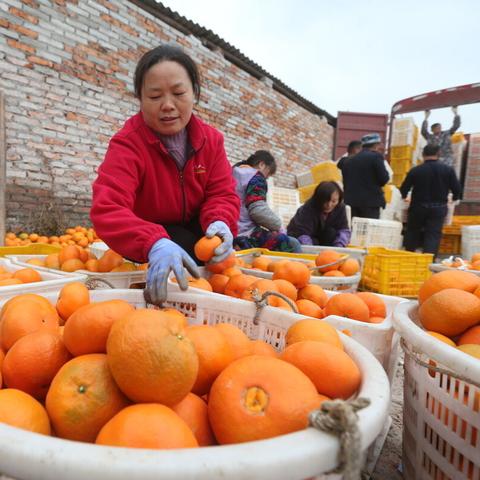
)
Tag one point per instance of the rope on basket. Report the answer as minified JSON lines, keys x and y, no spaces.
{"x":336,"y":262}
{"x":444,"y":371}
{"x":262,"y":301}
{"x":93,"y":283}
{"x":340,"y":418}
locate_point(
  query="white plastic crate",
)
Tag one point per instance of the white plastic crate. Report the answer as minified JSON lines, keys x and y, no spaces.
{"x":356,"y":253}
{"x":345,"y":284}
{"x":116,"y":279}
{"x":295,"y":456}
{"x":369,"y":232}
{"x":50,"y":281}
{"x":377,"y":338}
{"x":441,"y":412}
{"x":438,"y":267}
{"x":470,"y":241}
{"x":304,"y":179}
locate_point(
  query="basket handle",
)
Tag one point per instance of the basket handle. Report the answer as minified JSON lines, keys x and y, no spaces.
{"x":261,"y":301}
{"x":337,"y":262}
{"x":339,"y":417}
{"x":92,"y":283}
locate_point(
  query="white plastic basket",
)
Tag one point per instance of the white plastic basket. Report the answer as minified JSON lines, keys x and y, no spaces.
{"x":369,"y":232}
{"x":356,"y":253}
{"x":345,"y":284}
{"x":50,"y":281}
{"x":438,"y":267}
{"x":294,"y":456}
{"x":439,"y":408}
{"x":470,"y":241}
{"x":116,"y":279}
{"x":377,"y":338}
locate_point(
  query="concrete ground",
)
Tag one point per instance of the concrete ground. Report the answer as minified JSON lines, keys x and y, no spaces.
{"x":387,"y":467}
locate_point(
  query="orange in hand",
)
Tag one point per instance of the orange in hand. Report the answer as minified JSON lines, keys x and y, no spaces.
{"x":205,"y":247}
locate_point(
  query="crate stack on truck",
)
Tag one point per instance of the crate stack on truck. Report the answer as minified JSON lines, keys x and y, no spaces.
{"x":321,"y":172}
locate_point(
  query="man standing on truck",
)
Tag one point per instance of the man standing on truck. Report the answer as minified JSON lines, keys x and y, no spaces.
{"x":441,"y":138}
{"x":364,"y":175}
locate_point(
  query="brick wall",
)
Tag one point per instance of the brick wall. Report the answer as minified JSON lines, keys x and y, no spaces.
{"x":66,"y":71}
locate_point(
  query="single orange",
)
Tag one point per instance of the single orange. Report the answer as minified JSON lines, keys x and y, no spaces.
{"x":286,"y":288}
{"x":194,"y":411}
{"x":33,"y":361}
{"x":151,"y":358}
{"x":218,"y":282}
{"x":223,"y":265}
{"x":309,"y":308}
{"x":72,"y":265}
{"x":71,"y":297}
{"x":151,"y":426}
{"x":347,"y":305}
{"x":349,"y":267}
{"x":238,"y":284}
{"x":259,"y":397}
{"x":295,"y":272}
{"x":214,"y":354}
{"x":326,"y":257}
{"x":331,"y":370}
{"x":237,"y":340}
{"x":376,"y":306}
{"x":458,"y":279}
{"x":259,"y":347}
{"x":316,"y":330}
{"x":205,"y":247}
{"x":83,"y":397}
{"x":18,"y":409}
{"x":315,"y":293}
{"x":88,"y":327}
{"x":261,"y":263}
{"x":471,"y":336}
{"x":27,"y":275}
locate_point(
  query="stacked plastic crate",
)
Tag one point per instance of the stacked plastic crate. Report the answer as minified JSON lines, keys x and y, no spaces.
{"x":322,"y":172}
{"x":403,"y":148}
{"x":283,"y":201}
{"x":458,"y":147}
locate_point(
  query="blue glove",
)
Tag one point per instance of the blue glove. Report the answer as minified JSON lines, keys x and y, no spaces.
{"x":226,"y":247}
{"x":163,"y":257}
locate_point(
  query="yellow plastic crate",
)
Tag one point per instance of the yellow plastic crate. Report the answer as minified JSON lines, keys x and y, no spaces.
{"x":466,"y":220}
{"x":458,"y":137}
{"x":326,"y":172}
{"x":305,"y":193}
{"x":395,"y":272}
{"x":450,"y":243}
{"x":398,"y":179}
{"x":401,"y":165}
{"x":33,"y":249}
{"x":401,"y":153}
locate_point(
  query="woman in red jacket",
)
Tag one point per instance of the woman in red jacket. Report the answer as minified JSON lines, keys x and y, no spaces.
{"x":165,"y":179}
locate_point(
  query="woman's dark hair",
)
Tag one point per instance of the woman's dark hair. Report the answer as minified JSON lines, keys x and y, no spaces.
{"x":166,"y":53}
{"x":260,"y":156}
{"x":323,"y":193}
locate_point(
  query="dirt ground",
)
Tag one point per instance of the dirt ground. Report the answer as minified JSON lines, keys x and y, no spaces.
{"x":388,"y":464}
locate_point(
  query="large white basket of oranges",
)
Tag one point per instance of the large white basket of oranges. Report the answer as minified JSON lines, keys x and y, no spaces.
{"x":206,"y":357}
{"x":16,"y":279}
{"x":441,"y":339}
{"x":109,"y":266}
{"x":335,"y":272}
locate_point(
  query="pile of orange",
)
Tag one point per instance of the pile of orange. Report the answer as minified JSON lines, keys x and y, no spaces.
{"x":18,"y":277}
{"x":292,"y":279}
{"x":458,"y":262}
{"x":82,"y":236}
{"x":73,"y":257}
{"x":145,"y":378}
{"x":449,"y":309}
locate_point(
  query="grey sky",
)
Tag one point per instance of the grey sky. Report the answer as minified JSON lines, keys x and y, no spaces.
{"x":354,"y":55}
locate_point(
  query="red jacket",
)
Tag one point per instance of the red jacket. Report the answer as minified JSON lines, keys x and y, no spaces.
{"x":139,"y":187}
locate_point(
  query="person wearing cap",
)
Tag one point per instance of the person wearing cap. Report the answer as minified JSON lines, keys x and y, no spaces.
{"x":364,"y":175}
{"x":430,"y":183}
{"x":441,"y":138}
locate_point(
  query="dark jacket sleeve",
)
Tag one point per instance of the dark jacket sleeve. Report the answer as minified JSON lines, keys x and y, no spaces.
{"x":407,"y":184}
{"x":381,"y":172}
{"x":304,"y":222}
{"x":424,"y":130}
{"x":455,"y":186}
{"x":456,"y":124}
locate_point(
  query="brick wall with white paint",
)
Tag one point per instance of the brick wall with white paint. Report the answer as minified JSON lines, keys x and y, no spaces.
{"x":66,"y":72}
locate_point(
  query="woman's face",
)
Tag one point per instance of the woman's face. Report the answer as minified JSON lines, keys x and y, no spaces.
{"x":332,"y":203}
{"x":167,"y":98}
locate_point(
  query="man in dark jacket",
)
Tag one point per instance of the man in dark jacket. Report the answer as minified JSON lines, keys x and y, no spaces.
{"x":431,"y":183}
{"x":364,"y":175}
